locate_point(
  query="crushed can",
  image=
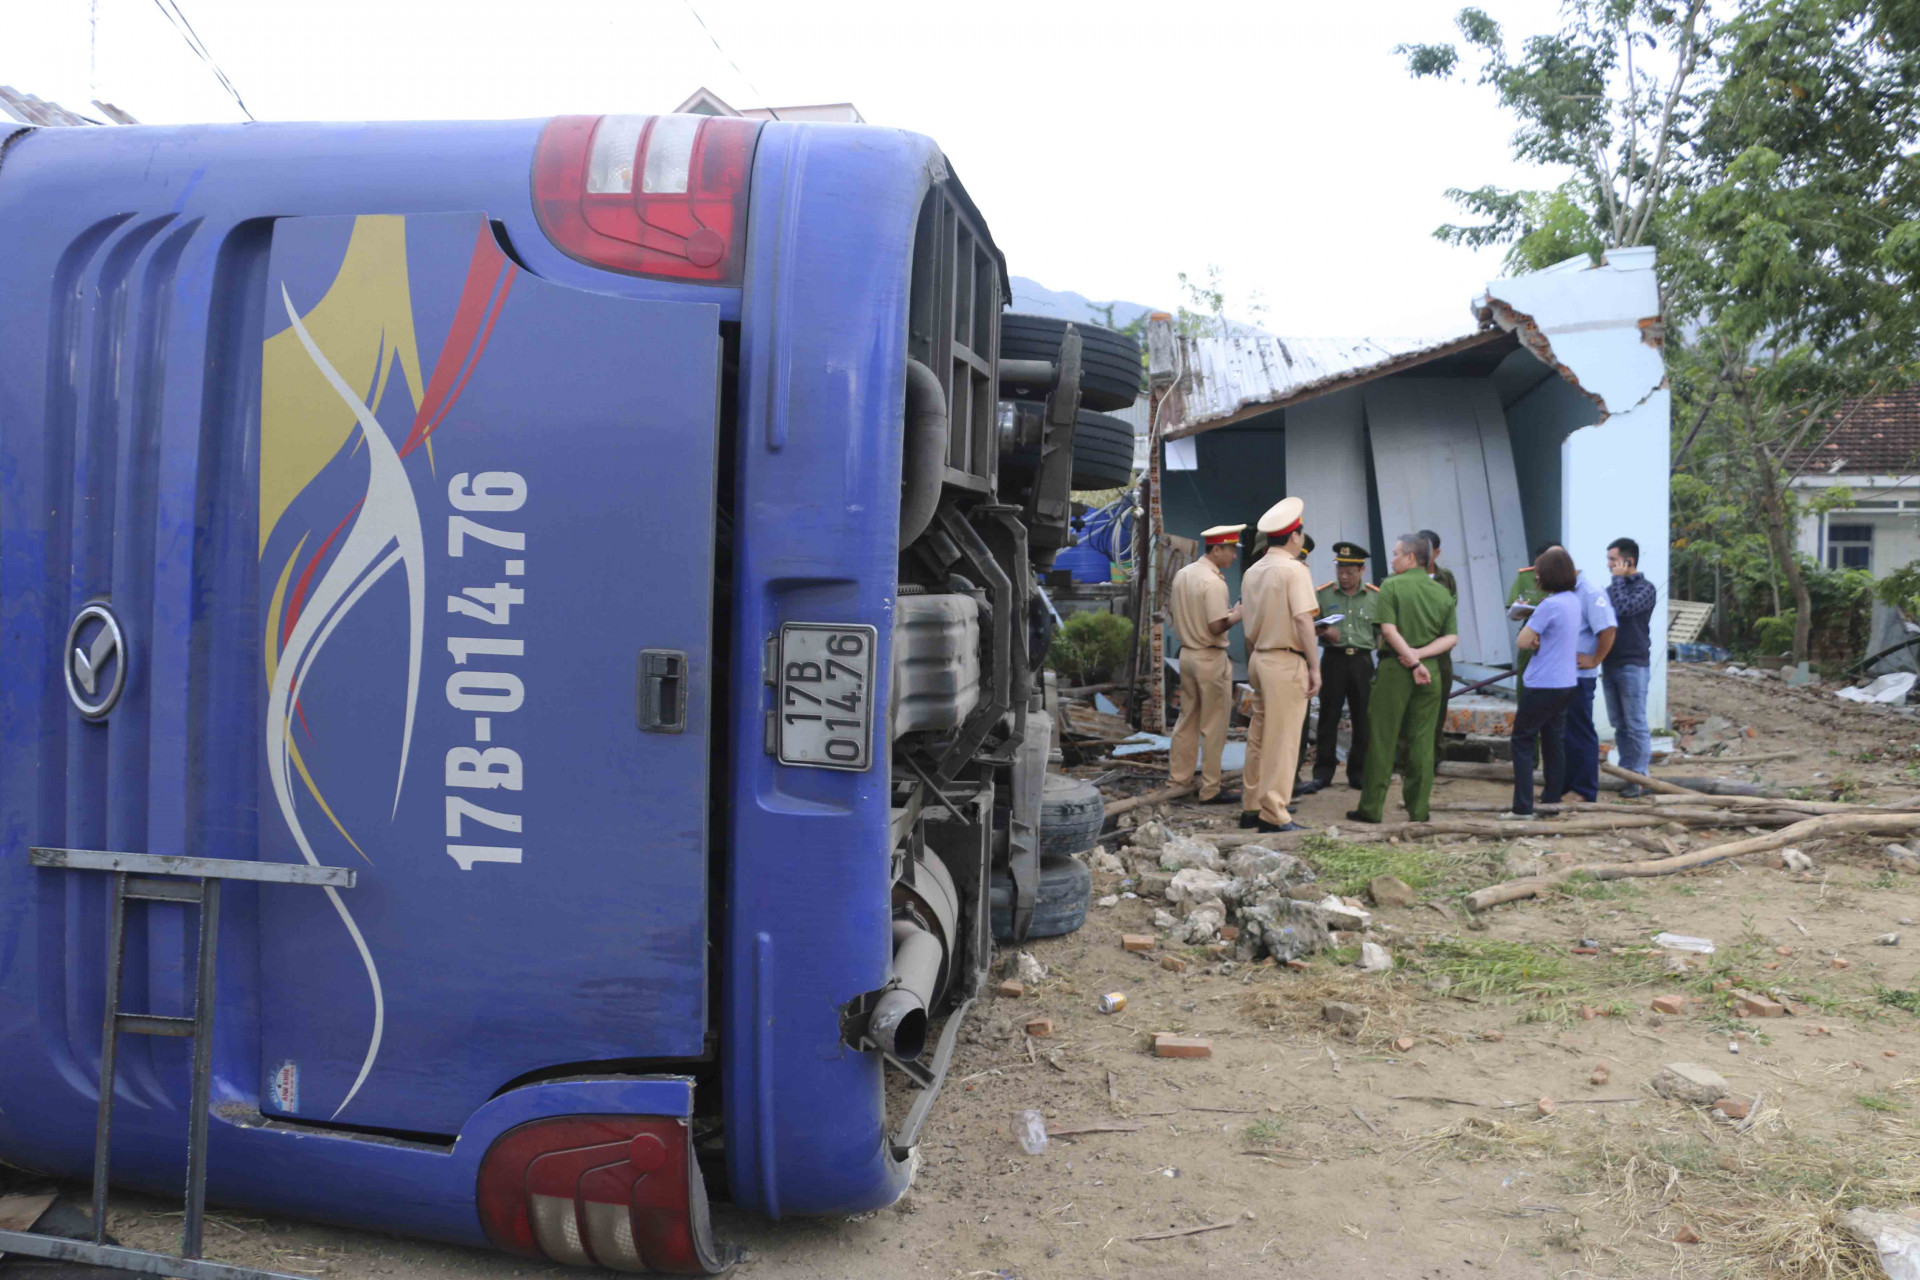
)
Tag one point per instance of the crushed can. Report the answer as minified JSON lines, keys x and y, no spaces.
{"x":1113,"y":1002}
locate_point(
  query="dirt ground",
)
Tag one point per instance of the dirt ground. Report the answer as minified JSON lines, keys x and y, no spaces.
{"x":1414,"y":1146}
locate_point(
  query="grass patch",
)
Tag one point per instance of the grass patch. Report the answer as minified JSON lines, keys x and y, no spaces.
{"x":1584,"y":886}
{"x":1263,"y":1133}
{"x":1345,"y":867}
{"x":1876,"y":1102}
{"x":1488,"y":967}
{"x":1899,"y":998}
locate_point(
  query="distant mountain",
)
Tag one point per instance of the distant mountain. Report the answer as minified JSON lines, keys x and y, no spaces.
{"x":1030,"y":297}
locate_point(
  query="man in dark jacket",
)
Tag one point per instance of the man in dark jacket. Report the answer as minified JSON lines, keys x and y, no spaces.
{"x":1624,"y":672}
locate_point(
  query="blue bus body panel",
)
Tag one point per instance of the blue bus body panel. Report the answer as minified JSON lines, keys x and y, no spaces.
{"x":142,"y":288}
{"x":455,"y":581}
{"x":824,"y":370}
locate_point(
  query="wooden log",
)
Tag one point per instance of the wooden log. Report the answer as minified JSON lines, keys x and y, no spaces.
{"x":1118,"y":807}
{"x":1810,"y":829}
{"x":1762,"y":758}
{"x":1651,"y":784}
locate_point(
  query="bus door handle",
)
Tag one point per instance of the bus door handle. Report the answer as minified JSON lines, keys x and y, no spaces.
{"x":663,"y":691}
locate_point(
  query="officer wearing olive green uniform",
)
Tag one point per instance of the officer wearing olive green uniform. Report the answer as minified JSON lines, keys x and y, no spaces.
{"x":1346,"y":664}
{"x":1444,"y":577}
{"x":1418,"y":621}
{"x":1201,"y":618}
{"x":1525,"y":589}
{"x":1283,"y":663}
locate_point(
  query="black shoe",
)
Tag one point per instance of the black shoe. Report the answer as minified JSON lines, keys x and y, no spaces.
{"x":1249,"y":819}
{"x":1225,"y":797}
{"x":1270,"y":828}
{"x":1308,"y":788}
{"x":1354,"y":815}
{"x":1356,"y":784}
{"x":1632,"y":791}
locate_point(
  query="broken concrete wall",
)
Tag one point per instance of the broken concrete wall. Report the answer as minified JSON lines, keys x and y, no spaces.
{"x":1599,"y":328}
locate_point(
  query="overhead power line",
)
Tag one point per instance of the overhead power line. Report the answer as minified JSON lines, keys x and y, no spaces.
{"x":729,"y":57}
{"x":171,"y":10}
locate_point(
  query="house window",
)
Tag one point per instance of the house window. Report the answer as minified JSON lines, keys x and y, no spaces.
{"x":1849,"y":546}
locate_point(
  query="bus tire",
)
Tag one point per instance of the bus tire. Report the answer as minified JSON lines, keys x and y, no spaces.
{"x":1071,"y":813}
{"x":1060,"y":905}
{"x":1102,"y":452}
{"x":1110,"y":368}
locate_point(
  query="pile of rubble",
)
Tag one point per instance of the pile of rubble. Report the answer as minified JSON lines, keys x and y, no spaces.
{"x":1252,"y":903}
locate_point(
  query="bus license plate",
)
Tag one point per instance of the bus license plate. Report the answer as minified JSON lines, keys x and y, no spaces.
{"x":825,"y":695}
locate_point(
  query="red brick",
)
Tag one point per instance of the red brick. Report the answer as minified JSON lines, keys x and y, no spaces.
{"x":1229,"y":933}
{"x":1137,"y":941}
{"x":1733,"y":1108}
{"x":1173,"y":964}
{"x":1218,"y":950}
{"x":1011,"y":988}
{"x":1839,"y":963}
{"x":1669,"y":1004}
{"x":1759,"y":1007}
{"x":1171,"y":1046}
{"x":1038,"y":1027}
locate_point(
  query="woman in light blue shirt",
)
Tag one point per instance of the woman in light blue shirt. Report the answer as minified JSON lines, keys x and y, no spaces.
{"x":1553,"y":633}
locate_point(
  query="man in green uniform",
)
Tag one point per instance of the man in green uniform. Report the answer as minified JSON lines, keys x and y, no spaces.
{"x":1444,"y":577}
{"x":1525,"y":590}
{"x":1418,"y":621}
{"x":1346,"y":664}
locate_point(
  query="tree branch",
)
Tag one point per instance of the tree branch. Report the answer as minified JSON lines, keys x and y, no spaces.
{"x":1689,"y":57}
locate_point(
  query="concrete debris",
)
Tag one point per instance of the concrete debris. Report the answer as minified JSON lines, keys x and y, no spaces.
{"x":1340,"y":914}
{"x":1902,"y":859}
{"x":1342,"y":1014}
{"x":1282,"y":928}
{"x":1893,"y":1237}
{"x":1107,"y":863}
{"x":1153,"y":884}
{"x":1110,"y":900}
{"x":1520,"y":864}
{"x":1203,"y":922}
{"x":1375,"y":958}
{"x":1391,"y":891}
{"x":1181,"y":852}
{"x":1196,"y":884}
{"x":1149,"y":835}
{"x":1888,"y":940}
{"x":1029,"y":968}
{"x":1255,"y":863}
{"x":1164,"y":919}
{"x":1691,"y":1082}
{"x":1794,"y":860}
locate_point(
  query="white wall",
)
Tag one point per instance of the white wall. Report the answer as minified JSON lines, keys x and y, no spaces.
{"x":1593,"y":325}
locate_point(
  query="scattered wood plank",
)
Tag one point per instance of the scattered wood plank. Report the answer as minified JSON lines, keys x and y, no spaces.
{"x":1763,"y":757}
{"x":1118,"y":807}
{"x":1810,"y":829}
{"x":1651,"y":784}
{"x":1361,"y":1116}
{"x":1184,"y":1231}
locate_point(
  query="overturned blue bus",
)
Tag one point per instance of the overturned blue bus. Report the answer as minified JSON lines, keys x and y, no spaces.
{"x":570,"y":588}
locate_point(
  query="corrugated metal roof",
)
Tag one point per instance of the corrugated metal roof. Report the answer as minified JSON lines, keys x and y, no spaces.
{"x":1245,"y":371}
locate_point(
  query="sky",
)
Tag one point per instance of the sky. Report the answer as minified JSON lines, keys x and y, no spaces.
{"x":1110,"y":145}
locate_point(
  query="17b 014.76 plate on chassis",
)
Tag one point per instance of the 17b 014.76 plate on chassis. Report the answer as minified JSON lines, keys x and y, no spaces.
{"x":824,"y":716}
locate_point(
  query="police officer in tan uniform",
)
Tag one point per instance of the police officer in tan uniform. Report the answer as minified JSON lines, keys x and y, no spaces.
{"x":1283,"y":664}
{"x":1202,"y":619}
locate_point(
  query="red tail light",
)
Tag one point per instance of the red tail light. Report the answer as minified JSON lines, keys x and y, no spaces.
{"x":662,"y":196}
{"x":620,"y":1192}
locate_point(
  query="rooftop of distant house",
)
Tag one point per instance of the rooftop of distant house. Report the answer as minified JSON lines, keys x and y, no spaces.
{"x":1876,"y":435}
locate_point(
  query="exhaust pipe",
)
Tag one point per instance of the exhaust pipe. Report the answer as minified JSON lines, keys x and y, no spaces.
{"x":898,"y":1024}
{"x":923,"y":458}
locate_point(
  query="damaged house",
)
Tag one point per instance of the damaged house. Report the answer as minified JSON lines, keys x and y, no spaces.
{"x":1546,"y":420}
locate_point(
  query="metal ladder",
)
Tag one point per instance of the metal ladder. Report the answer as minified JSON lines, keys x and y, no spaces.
{"x":145,"y":877}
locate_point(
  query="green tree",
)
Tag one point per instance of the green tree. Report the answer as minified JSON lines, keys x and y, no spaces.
{"x":1586,"y":101}
{"x":1772,"y":158}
